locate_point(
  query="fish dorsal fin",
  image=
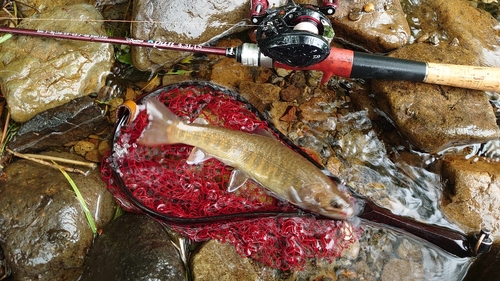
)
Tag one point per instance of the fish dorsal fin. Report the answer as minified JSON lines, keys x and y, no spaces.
{"x":197,"y":156}
{"x":237,"y":179}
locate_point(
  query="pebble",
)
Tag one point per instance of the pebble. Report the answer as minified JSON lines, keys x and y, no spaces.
{"x":82,"y":147}
{"x":355,"y":15}
{"x":368,"y":8}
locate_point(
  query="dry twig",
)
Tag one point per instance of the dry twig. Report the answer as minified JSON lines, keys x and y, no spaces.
{"x":55,"y":166}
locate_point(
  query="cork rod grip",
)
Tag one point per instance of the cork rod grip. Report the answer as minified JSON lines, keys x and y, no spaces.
{"x":463,"y":76}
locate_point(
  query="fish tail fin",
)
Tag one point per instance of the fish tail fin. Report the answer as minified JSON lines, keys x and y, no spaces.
{"x":162,"y":122}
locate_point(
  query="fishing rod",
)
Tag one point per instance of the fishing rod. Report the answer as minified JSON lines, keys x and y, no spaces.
{"x":295,"y":37}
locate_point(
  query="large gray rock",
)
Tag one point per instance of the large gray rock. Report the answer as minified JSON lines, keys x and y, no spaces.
{"x":133,"y":247}
{"x":61,"y":125}
{"x":38,"y":73}
{"x":186,"y":22}
{"x":42,"y":225}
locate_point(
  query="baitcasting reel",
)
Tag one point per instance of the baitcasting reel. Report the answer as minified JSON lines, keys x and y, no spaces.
{"x":295,"y":35}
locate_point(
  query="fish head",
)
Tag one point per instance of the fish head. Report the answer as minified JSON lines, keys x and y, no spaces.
{"x":327,"y":200}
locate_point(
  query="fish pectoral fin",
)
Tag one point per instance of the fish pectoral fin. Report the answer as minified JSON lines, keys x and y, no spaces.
{"x":294,"y":195}
{"x":237,"y":179}
{"x":201,"y":121}
{"x":197,"y":156}
{"x":264,"y":132}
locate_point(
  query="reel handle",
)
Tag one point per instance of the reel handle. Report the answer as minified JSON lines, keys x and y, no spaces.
{"x":351,"y":64}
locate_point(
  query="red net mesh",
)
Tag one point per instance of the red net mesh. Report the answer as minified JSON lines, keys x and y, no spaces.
{"x":159,"y":179}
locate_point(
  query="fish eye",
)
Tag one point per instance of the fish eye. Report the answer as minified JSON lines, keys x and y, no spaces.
{"x":335,"y":204}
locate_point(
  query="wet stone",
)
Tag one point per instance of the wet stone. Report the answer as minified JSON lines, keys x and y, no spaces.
{"x":186,"y":22}
{"x":434,"y":117}
{"x":57,"y":126}
{"x":220,"y":261}
{"x":314,"y":110}
{"x":397,"y":269}
{"x":43,"y":229}
{"x":37,"y":74}
{"x":485,"y":268}
{"x":133,"y":247}
{"x":230,"y":73}
{"x":28,"y":6}
{"x":472,"y":193}
{"x":290,"y":93}
{"x":381,"y":28}
{"x":473,"y":28}
{"x":259,"y":95}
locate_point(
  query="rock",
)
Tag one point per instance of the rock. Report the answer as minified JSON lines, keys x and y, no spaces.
{"x":290,"y":93}
{"x":230,"y":73}
{"x":472,"y":193}
{"x":39,"y":73}
{"x":133,"y":247}
{"x":476,"y":30}
{"x":186,"y":22}
{"x":397,"y":269}
{"x":220,"y":261}
{"x":316,"y":109}
{"x":259,"y":95}
{"x":31,"y":7}
{"x":382,"y":29}
{"x":57,"y":126}
{"x":44,"y":229}
{"x":485,"y":268}
{"x":434,"y":117}
{"x":277,"y":110}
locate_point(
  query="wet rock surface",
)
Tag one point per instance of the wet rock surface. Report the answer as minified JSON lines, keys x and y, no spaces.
{"x":31,"y":7}
{"x":472,"y":193}
{"x":378,"y":26}
{"x":43,"y":229}
{"x":486,"y":267}
{"x":61,"y":125}
{"x":192,"y":22}
{"x":133,"y":247}
{"x":332,"y":124}
{"x":220,"y":261}
{"x":39,"y":73}
{"x":433,"y":117}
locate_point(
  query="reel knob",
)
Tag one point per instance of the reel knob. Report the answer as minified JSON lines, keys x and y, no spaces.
{"x":298,"y":36}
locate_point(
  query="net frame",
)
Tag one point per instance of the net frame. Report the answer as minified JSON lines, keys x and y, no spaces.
{"x":259,"y":225}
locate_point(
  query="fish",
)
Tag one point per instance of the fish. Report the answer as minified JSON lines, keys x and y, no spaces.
{"x":256,"y":156}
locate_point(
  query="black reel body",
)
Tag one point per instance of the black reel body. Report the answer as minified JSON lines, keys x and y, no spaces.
{"x":295,"y":35}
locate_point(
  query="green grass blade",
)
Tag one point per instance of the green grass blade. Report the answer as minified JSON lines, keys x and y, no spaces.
{"x":5,"y":38}
{"x":79,"y":196}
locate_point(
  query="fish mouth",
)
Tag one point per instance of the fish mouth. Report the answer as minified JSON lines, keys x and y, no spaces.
{"x":341,"y":214}
{"x":340,"y":208}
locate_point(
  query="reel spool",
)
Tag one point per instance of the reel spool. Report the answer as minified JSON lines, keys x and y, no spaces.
{"x":295,"y":35}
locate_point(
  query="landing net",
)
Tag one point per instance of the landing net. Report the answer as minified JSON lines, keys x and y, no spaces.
{"x":193,"y":199}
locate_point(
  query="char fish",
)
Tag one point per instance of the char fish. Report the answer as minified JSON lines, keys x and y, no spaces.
{"x":284,"y":173}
